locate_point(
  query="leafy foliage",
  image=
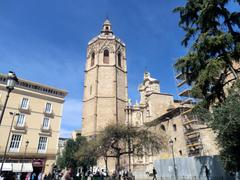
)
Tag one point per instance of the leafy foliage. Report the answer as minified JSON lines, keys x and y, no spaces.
{"x":87,"y":154}
{"x":213,"y":32}
{"x":67,"y":159}
{"x":225,"y":121}
{"x":118,"y":140}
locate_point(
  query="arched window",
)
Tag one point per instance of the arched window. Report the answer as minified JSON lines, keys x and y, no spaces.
{"x":163,"y":127}
{"x":106,"y":56}
{"x":92,"y":59}
{"x":119,"y":60}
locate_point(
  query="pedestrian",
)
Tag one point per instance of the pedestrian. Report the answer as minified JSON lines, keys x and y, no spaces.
{"x":33,"y":176}
{"x":40,"y":176}
{"x":68,"y":174}
{"x":154,"y":174}
{"x":207,"y":172}
{"x":28,"y":176}
{"x":125,"y":174}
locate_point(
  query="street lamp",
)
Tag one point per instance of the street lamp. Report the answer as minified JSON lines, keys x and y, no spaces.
{"x":129,"y":112}
{"x":11,"y":81}
{"x":174,"y":163}
{"x":25,"y":152}
{"x":6,"y":147}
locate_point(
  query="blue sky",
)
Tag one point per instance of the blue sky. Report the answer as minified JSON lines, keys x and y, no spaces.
{"x":45,"y":41}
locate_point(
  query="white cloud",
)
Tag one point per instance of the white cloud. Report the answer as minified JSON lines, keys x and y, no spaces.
{"x":72,"y":116}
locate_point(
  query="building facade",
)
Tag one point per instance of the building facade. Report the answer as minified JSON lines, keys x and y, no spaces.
{"x":160,"y":112}
{"x":105,"y":101}
{"x":105,"y":84}
{"x":35,"y":131}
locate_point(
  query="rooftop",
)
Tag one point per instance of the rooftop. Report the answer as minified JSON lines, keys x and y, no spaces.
{"x":36,"y":87}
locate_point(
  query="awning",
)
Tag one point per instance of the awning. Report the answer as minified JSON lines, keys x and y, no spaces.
{"x":6,"y":166}
{"x":27,"y":167}
{"x":16,"y":167}
{"x":22,"y":167}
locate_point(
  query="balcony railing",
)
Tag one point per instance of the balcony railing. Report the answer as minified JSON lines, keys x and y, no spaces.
{"x":48,"y":113}
{"x":26,"y":110}
{"x":47,"y":130}
{"x":18,"y":126}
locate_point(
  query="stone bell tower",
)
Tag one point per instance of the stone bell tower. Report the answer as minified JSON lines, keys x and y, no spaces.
{"x":105,"y":84}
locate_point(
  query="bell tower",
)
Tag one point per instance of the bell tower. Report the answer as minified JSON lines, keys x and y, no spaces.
{"x":105,"y":84}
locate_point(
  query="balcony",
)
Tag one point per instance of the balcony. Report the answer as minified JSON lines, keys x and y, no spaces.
{"x":46,"y":130}
{"x":21,"y":127}
{"x":26,"y":110}
{"x":48,"y":113}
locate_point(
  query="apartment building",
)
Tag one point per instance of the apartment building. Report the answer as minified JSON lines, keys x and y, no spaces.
{"x":34,"y":134}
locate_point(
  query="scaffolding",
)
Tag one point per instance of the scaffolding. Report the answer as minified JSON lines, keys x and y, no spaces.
{"x":190,"y":122}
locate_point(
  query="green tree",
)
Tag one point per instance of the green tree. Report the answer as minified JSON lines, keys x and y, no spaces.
{"x":212,"y":35}
{"x":67,"y":158}
{"x":225,"y":121}
{"x":212,"y":30}
{"x":114,"y":140}
{"x":87,"y":154}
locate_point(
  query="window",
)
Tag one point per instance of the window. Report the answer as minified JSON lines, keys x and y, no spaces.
{"x":15,"y":143}
{"x":48,"y":108}
{"x":92,"y":59}
{"x":180,"y":152}
{"x":163,"y":127}
{"x":119,"y":60}
{"x":106,"y":56}
{"x":24,"y":103}
{"x":174,"y":127}
{"x":21,"y":120}
{"x":46,"y":123}
{"x":42,"y":144}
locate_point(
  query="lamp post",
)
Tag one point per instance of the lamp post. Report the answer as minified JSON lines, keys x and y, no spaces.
{"x":129,"y":111}
{"x":6,"y":147}
{"x":174,"y":163}
{"x":11,"y":81}
{"x":25,"y":151}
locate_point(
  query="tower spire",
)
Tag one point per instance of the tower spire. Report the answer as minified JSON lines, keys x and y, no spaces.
{"x":107,"y":27}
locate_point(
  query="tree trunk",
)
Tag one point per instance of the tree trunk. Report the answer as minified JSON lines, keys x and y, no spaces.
{"x":118,"y":167}
{"x":106,"y":164}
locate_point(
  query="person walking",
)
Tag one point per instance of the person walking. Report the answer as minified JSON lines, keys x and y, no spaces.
{"x":154,"y":174}
{"x":33,"y":176}
{"x":207,"y":172}
{"x":67,"y":175}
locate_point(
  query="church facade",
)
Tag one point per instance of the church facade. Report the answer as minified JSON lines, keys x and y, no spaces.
{"x":105,"y":102}
{"x":162,"y":113}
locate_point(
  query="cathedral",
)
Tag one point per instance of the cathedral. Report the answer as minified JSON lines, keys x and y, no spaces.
{"x":105,"y":102}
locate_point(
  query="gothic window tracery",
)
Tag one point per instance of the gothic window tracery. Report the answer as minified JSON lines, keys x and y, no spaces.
{"x":92,"y":59}
{"x":106,"y":56}
{"x":119,"y":59}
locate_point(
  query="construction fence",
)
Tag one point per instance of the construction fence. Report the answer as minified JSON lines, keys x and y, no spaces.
{"x":192,"y":168}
